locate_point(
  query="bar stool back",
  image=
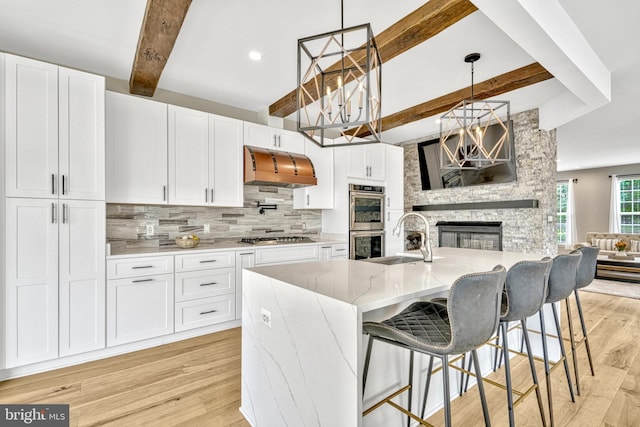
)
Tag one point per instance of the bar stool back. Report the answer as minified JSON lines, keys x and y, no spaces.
{"x":468,"y":320}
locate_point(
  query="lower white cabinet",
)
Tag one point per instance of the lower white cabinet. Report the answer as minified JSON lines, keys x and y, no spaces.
{"x":284,"y":254}
{"x":142,"y":306}
{"x":333,"y":251}
{"x":244,"y":259}
{"x":205,"y":311}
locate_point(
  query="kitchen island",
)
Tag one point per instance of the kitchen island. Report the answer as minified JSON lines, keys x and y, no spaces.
{"x":302,"y":342}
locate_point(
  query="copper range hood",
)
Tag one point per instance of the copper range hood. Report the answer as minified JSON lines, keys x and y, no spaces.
{"x":269,"y":167}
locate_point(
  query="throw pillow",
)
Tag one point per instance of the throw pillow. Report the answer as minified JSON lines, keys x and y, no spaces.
{"x":605,"y":244}
{"x":635,"y":245}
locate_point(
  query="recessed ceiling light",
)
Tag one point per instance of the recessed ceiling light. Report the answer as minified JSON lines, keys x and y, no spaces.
{"x":437,"y":120}
{"x":255,"y":55}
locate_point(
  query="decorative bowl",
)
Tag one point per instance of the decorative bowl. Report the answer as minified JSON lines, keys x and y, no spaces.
{"x":187,"y":242}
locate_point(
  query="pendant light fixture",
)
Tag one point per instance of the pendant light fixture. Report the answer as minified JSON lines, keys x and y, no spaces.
{"x":475,"y":134}
{"x":339,"y":86}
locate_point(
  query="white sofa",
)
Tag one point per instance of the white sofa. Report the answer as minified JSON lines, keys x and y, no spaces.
{"x":606,"y":241}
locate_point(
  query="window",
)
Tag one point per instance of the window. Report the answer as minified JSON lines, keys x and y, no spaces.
{"x":562,"y":191}
{"x":629,"y":190}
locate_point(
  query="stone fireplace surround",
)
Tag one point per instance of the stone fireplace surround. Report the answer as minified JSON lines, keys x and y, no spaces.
{"x":528,"y":228}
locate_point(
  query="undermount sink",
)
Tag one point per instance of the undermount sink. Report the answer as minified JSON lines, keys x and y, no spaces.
{"x":390,"y":260}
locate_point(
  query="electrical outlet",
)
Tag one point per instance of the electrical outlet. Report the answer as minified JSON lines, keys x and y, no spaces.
{"x":304,"y":225}
{"x":150,"y":229}
{"x":207,"y":228}
{"x":265,"y":317}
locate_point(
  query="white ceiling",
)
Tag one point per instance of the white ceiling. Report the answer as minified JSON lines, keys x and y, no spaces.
{"x":210,"y":58}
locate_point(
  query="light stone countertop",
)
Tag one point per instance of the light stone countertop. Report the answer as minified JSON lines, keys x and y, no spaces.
{"x":369,"y":286}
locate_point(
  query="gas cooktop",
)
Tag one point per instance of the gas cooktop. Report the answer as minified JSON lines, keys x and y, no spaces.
{"x":276,"y":240}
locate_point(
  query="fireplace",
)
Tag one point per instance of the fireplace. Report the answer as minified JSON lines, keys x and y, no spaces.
{"x":470,"y":234}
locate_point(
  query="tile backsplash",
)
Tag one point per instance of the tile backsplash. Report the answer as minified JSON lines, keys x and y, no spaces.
{"x":127,"y":224}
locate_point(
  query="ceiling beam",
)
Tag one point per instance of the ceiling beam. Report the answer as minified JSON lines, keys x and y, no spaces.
{"x":420,"y":25}
{"x":507,"y":82}
{"x":160,"y":27}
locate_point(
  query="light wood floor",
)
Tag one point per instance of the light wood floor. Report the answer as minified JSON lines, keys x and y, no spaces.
{"x":197,"y":382}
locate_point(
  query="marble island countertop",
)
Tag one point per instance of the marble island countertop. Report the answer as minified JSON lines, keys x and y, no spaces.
{"x":371,"y":285}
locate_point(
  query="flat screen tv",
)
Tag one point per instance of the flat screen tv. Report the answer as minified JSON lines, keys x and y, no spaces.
{"x":433,"y":177}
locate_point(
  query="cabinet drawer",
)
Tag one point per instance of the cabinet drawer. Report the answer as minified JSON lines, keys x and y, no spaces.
{"x":287,"y":254}
{"x":199,"y":284}
{"x":134,"y":267}
{"x":204,"y":312}
{"x":205,"y":261}
{"x":339,"y":250}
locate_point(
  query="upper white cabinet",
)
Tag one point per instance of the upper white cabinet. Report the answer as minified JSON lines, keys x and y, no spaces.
{"x":263,"y":136}
{"x":136,"y":132}
{"x":394,"y":188}
{"x":54,"y":137}
{"x":367,"y":162}
{"x":205,"y":159}
{"x":318,"y":196}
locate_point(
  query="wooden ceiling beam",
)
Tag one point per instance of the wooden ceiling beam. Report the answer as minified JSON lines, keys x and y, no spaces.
{"x":507,"y":82}
{"x":420,"y":25}
{"x":160,"y":27}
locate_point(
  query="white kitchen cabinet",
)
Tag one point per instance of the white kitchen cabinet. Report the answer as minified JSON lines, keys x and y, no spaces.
{"x":205,"y":159}
{"x":367,"y":162}
{"x":393,"y":244}
{"x":244,"y":259}
{"x":31,"y":281}
{"x":55,"y":278}
{"x":82,"y":276}
{"x":136,"y":150}
{"x":394,"y":187}
{"x":54,"y":138}
{"x":333,"y":251}
{"x":141,"y":306}
{"x":284,"y":254}
{"x":318,"y":196}
{"x":257,"y":135}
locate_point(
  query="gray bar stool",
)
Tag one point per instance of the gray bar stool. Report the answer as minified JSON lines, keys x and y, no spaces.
{"x":562,"y":282}
{"x":586,"y":274}
{"x":466,"y":322}
{"x":525,"y":293}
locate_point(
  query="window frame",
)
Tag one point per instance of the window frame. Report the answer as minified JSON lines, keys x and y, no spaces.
{"x":628,"y":187}
{"x":562,"y":189}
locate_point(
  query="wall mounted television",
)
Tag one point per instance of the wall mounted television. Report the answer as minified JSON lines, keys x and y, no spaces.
{"x":433,"y":177}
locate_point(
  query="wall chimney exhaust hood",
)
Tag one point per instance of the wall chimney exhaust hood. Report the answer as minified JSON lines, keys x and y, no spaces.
{"x":269,"y":167}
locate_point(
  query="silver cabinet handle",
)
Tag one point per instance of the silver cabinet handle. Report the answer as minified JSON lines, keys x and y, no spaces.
{"x":208,"y":284}
{"x":275,"y":144}
{"x":208,"y":260}
{"x":53,"y":184}
{"x":135,"y":267}
{"x":247,"y":253}
{"x":279,"y":141}
{"x":389,"y":216}
{"x":164,"y":193}
{"x":207,"y":312}
{"x":53,"y":213}
{"x":206,"y":195}
{"x":388,"y":202}
{"x":212,"y":195}
{"x":307,"y":200}
{"x":64,"y":213}
{"x":63,"y":186}
{"x":340,"y":250}
{"x":142,"y":280}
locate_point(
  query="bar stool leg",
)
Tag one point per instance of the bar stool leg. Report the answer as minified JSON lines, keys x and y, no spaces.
{"x":426,"y":387}
{"x":483,"y":398}
{"x":445,"y":390}
{"x":507,"y":372}
{"x":563,"y":352}
{"x":532,"y":365}
{"x":366,"y":364}
{"x":547,"y":370}
{"x":574,"y":356}
{"x":411,"y":354}
{"x":584,"y":331}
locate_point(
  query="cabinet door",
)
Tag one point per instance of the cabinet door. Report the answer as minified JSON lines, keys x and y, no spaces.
{"x":82,"y":276}
{"x":394,"y":187}
{"x":81,"y":127}
{"x":226,"y":162}
{"x":31,"y":121}
{"x":139,"y":308}
{"x":257,"y":135}
{"x":376,"y":160}
{"x":188,"y":156}
{"x":325,"y":253}
{"x":31,"y":281}
{"x":244,"y":259}
{"x":317,"y":196}
{"x":358,"y":166}
{"x":393,"y":244}
{"x":136,"y":144}
{"x":290,"y":141}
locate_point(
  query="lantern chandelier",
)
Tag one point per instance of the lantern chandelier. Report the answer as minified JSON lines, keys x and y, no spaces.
{"x":475,"y":134}
{"x":339,"y":86}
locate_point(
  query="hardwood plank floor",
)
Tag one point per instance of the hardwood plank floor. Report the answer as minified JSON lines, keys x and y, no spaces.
{"x":196,"y":382}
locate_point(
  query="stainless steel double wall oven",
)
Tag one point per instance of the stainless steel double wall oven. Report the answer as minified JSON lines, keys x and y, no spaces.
{"x":366,"y":221}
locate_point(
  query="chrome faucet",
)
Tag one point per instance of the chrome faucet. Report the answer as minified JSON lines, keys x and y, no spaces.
{"x":425,"y":242}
